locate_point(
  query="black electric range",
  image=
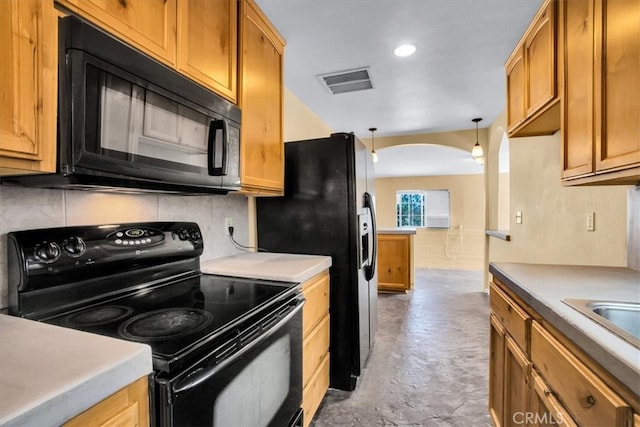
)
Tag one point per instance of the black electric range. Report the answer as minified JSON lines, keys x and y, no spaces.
{"x":141,"y":282}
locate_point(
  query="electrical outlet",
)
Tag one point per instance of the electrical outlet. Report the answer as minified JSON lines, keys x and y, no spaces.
{"x":591,"y":221}
{"x":228,"y":222}
{"x":519,"y":217}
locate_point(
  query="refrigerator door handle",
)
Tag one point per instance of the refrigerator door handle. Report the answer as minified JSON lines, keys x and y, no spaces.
{"x":370,"y":269}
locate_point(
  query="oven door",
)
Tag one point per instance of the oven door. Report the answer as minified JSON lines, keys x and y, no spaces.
{"x":256,"y":383}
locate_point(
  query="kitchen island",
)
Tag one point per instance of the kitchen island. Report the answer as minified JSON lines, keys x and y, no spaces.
{"x":395,"y":259}
{"x":51,"y":374}
{"x":564,"y":362}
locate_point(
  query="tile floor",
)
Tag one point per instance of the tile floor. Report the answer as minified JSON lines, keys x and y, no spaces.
{"x":429,"y":364}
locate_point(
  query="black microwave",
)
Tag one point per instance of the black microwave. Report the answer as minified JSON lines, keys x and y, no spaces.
{"x":128,"y":122}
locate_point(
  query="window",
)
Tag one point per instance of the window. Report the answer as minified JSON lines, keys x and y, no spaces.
{"x":429,"y":208}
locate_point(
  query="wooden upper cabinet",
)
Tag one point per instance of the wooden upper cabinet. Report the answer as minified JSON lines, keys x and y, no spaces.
{"x":261,"y":101}
{"x":532,"y":99}
{"x":600,"y":67}
{"x":207,"y":44}
{"x":199,"y":38}
{"x":540,"y":57}
{"x":576,"y":29}
{"x":618,"y":85}
{"x":516,"y":108}
{"x":148,"y":25}
{"x":28,"y":86}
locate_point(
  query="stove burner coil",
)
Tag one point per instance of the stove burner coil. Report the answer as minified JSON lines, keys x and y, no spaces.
{"x":98,"y":316}
{"x":164,"y":324}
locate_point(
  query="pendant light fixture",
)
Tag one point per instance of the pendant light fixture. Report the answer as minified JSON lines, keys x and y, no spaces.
{"x":477,"y":153}
{"x":374,"y":155}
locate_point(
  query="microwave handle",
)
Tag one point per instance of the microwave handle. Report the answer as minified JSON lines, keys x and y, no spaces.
{"x":217,"y":161}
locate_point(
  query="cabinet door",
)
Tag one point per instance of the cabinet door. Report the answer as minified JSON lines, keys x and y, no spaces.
{"x":28,"y":86}
{"x":539,"y":51}
{"x":617,"y":84}
{"x":496,"y":372}
{"x":149,"y":25}
{"x":262,"y":144}
{"x":546,"y":410}
{"x":577,"y":44}
{"x":517,"y":370}
{"x":207,"y":43}
{"x":393,"y":262}
{"x":127,"y":407}
{"x":516,"y":100}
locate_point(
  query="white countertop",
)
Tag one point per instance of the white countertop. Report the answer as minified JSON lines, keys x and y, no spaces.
{"x":402,"y":230}
{"x":268,"y":265}
{"x":543,"y":287}
{"x":49,"y":374}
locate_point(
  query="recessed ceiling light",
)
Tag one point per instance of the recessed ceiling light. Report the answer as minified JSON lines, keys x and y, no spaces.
{"x":405,"y":50}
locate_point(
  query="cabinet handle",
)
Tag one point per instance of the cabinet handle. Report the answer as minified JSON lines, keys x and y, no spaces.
{"x":589,"y":401}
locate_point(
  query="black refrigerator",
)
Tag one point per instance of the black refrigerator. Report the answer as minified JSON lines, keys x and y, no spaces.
{"x":328,"y":209}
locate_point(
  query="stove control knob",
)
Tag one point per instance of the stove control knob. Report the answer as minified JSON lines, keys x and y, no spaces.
{"x":47,"y":251}
{"x":74,"y":246}
{"x":195,"y":235}
{"x":183,"y":234}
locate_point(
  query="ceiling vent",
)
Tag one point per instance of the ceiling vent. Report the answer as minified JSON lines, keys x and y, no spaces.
{"x":347,"y":81}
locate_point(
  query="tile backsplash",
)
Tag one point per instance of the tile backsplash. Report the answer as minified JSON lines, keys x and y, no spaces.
{"x":29,"y":208}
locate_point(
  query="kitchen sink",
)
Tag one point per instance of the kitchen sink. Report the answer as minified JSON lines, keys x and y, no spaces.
{"x":621,"y":318}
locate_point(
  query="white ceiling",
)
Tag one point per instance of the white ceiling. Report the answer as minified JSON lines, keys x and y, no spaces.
{"x":456,"y":74}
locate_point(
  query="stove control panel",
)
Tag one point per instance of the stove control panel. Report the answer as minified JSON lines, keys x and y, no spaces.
{"x":40,"y":258}
{"x":135,"y":237}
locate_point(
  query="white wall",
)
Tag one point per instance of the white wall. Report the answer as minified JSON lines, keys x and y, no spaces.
{"x":459,"y":247}
{"x":553,"y":229}
{"x":28,"y":208}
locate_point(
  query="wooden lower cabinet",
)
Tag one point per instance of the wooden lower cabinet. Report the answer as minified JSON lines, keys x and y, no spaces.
{"x":496,"y":372}
{"x":541,"y":382}
{"x":586,"y":397}
{"x":394,"y":262}
{"x":517,"y":370}
{"x":127,"y":407}
{"x":546,"y":410}
{"x":315,"y":343}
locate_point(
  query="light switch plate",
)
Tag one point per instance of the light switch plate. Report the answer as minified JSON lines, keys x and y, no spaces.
{"x":519,"y":217}
{"x":591,"y":221}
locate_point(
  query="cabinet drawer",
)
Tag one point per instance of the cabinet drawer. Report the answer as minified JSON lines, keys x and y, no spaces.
{"x":589,"y":401}
{"x":516,"y":322}
{"x":314,"y":348}
{"x":316,"y":292}
{"x":314,"y":391}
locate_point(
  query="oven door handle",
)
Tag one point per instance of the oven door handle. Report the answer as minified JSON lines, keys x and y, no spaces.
{"x":203,"y":374}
